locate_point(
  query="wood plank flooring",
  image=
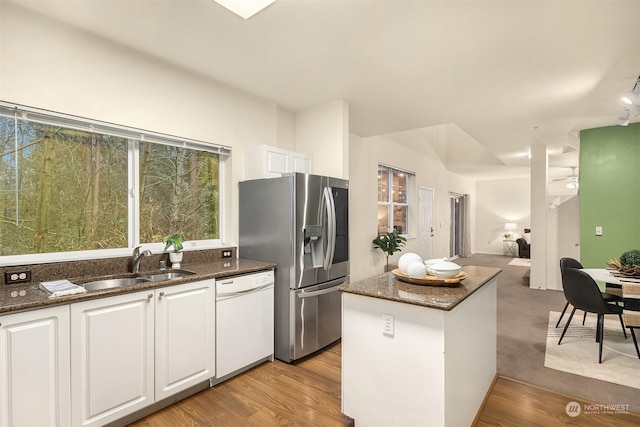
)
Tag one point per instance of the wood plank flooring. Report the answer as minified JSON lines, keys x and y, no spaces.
{"x":308,"y":394}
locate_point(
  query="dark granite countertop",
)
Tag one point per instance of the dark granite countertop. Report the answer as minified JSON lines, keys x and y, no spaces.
{"x":387,"y":286}
{"x":28,"y":296}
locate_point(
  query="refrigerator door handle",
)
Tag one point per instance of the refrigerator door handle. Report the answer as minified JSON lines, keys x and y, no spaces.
{"x":331,"y":227}
{"x":316,"y":293}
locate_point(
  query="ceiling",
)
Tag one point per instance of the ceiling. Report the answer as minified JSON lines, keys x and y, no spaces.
{"x":506,"y":74}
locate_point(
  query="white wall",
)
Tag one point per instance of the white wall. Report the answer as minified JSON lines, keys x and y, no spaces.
{"x":563,"y":239}
{"x":49,"y":65}
{"x":418,"y":157}
{"x":497,"y":202}
{"x":46,"y":64}
{"x":323,"y":132}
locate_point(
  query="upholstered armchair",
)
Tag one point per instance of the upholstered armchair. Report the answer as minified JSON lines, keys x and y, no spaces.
{"x":524,"y":244}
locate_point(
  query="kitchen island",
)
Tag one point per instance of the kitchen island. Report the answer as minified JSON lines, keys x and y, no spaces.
{"x":415,"y":355}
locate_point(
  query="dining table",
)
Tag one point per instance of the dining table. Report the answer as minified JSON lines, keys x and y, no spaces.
{"x":602,"y":275}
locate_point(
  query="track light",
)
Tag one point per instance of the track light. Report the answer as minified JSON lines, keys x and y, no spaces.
{"x":623,"y":120}
{"x":629,"y":98}
{"x":631,"y":109}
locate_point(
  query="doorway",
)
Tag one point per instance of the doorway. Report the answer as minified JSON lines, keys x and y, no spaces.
{"x":455,"y":237}
{"x":460,"y":227}
{"x":425,"y":222}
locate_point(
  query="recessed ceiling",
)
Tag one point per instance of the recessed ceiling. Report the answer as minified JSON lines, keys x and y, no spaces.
{"x":507,"y":73}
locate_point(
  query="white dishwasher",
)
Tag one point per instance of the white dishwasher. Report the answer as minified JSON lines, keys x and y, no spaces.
{"x":244,"y":321}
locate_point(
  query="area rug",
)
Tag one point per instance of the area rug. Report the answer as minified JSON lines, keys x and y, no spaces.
{"x":578,"y":353}
{"x":521,"y":262}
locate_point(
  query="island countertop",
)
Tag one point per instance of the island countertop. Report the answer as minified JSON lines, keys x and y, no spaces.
{"x":387,"y":286}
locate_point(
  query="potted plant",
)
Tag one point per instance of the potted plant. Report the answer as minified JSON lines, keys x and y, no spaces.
{"x":389,"y":243}
{"x":175,"y":256}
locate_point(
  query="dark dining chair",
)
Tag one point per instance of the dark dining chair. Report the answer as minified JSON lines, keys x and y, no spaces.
{"x":631,"y":312}
{"x":583,"y":293}
{"x":567,"y":262}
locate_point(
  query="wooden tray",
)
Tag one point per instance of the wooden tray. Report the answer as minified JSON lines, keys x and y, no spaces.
{"x":430,"y":280}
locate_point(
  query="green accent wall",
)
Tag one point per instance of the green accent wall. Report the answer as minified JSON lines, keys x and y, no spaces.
{"x":609,"y":193}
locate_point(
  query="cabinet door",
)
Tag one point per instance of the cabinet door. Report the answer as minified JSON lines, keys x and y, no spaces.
{"x":301,"y":163}
{"x":34,"y":368}
{"x":185,"y":336}
{"x":112,"y":353}
{"x":277,"y":162}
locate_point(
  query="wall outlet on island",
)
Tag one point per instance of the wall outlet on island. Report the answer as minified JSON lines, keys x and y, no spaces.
{"x":387,"y":324}
{"x":226,"y":254}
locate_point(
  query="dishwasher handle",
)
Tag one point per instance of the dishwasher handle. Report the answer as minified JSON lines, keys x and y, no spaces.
{"x":244,"y":292}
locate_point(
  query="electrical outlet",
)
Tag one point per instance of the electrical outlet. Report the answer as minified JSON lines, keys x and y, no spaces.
{"x":226,"y":254}
{"x":387,"y":324}
{"x":11,"y":277}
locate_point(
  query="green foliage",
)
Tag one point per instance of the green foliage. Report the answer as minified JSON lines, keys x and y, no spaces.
{"x":67,"y":190}
{"x":174,"y":240}
{"x":389,"y":243}
{"x":631,"y":257}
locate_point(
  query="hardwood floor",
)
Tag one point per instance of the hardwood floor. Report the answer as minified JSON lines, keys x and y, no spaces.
{"x":271,"y":394}
{"x":514,"y":403}
{"x":308,"y":394}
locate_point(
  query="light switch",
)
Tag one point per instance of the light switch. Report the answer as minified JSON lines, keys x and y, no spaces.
{"x":598,"y":231}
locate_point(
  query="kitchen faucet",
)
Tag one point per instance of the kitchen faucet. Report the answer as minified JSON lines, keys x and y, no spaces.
{"x":137,"y":257}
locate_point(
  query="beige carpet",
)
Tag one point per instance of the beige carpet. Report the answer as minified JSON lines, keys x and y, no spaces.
{"x":521,"y":262}
{"x":578,"y":353}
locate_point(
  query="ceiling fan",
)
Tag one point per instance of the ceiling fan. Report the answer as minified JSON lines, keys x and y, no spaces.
{"x":571,"y":180}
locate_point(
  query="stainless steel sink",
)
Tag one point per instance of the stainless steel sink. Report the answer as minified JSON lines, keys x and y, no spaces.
{"x":119,"y":282}
{"x":168,"y":276}
{"x":99,"y":285}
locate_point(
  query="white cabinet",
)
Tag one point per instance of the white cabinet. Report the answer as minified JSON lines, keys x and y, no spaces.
{"x":263,"y":161}
{"x":112,"y":357}
{"x":132,"y":350}
{"x":185,"y":336}
{"x":34,"y":368}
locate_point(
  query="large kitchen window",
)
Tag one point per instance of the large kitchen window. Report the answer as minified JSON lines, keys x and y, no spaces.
{"x":72,"y":185}
{"x":393,"y":199}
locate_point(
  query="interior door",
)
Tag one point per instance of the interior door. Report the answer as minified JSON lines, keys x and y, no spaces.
{"x":425,"y":223}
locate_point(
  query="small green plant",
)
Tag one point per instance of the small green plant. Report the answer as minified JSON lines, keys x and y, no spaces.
{"x":630,"y":258}
{"x":389,"y":243}
{"x":174,"y":240}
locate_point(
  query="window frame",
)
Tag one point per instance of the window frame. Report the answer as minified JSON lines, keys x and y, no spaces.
{"x":389,"y":203}
{"x":133,"y":137}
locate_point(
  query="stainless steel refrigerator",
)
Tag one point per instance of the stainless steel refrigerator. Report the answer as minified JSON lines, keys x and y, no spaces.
{"x":301,"y":223}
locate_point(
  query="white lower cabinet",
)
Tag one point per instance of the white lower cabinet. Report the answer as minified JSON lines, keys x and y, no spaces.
{"x":132,"y":350}
{"x":34,"y":368}
{"x":112,"y":357}
{"x":185,"y":336}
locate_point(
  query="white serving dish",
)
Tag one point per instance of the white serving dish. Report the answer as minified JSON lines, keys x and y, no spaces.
{"x":434,"y":261}
{"x":445,"y":269}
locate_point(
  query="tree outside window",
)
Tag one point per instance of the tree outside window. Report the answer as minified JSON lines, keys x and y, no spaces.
{"x":64,"y":190}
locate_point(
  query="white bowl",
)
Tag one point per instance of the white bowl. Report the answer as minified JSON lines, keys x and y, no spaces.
{"x":406,"y":259}
{"x":433,"y":261}
{"x":445,"y":270}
